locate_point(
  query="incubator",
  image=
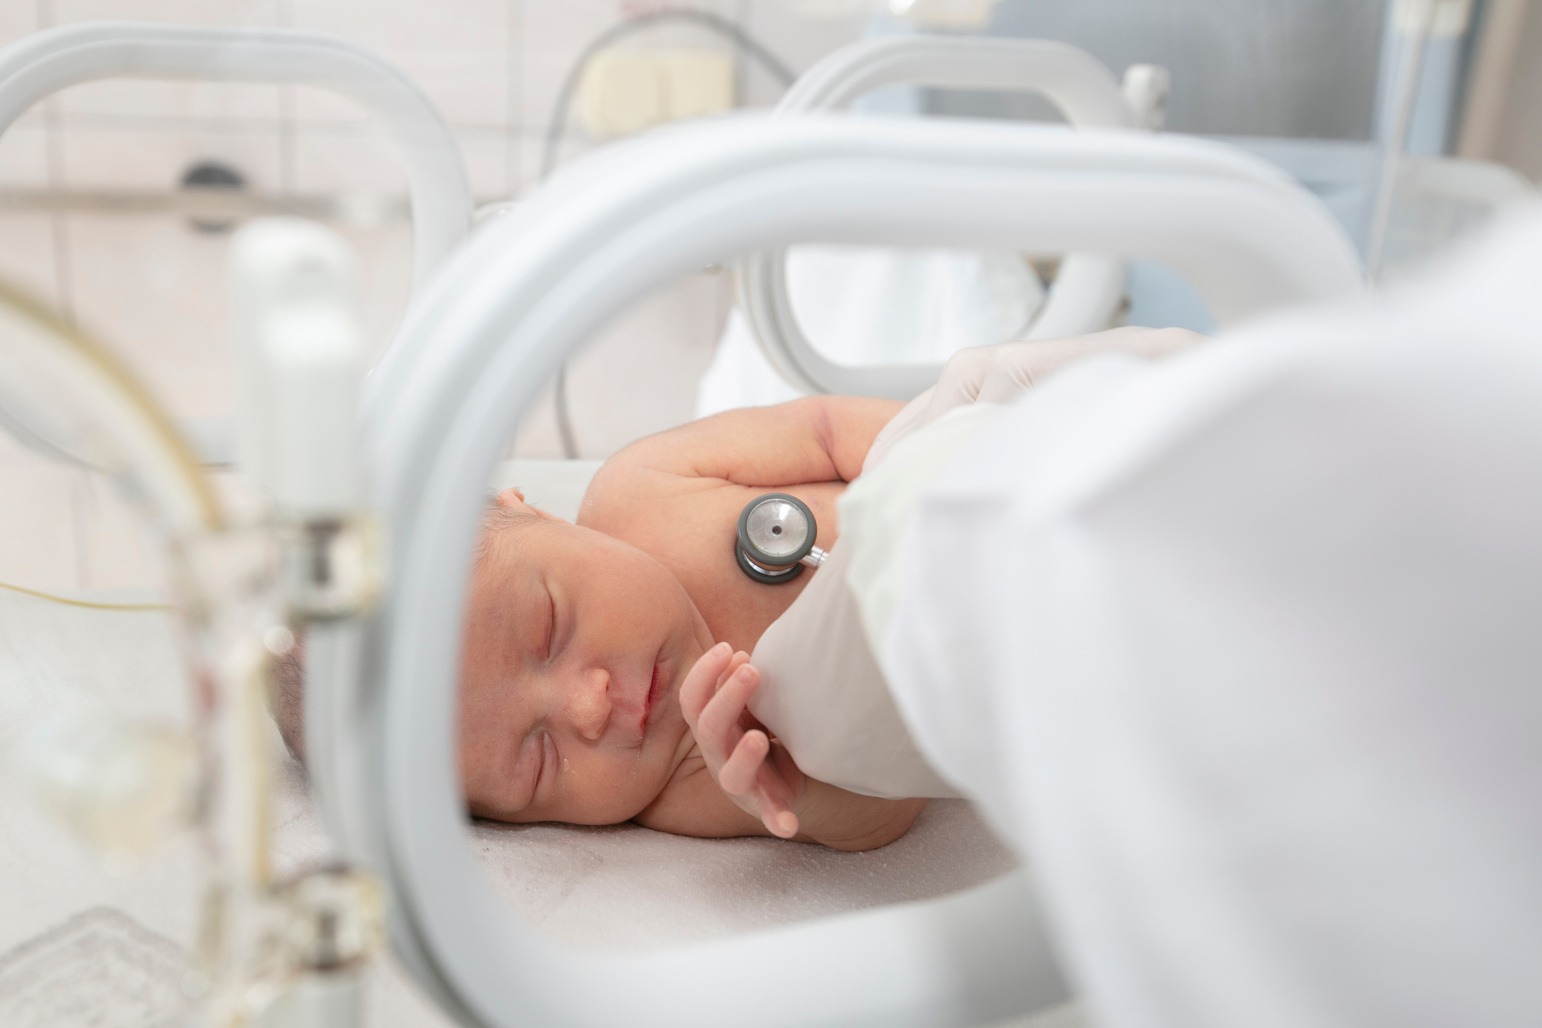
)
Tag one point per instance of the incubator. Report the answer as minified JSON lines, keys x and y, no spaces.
{"x":375,"y":487}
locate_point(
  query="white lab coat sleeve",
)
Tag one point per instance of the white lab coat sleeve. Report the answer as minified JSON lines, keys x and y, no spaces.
{"x":1246,"y":650}
{"x":823,"y":696}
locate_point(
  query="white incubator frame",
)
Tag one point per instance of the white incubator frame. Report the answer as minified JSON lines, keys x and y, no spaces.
{"x":43,"y":63}
{"x":1087,"y":288}
{"x":491,"y":329}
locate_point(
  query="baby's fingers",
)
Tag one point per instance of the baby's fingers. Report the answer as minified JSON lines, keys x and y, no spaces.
{"x":738,"y":773}
{"x":738,"y":660}
{"x":701,"y":682}
{"x":781,"y":823}
{"x":746,"y":776}
{"x":718,"y":730}
{"x":775,"y":794}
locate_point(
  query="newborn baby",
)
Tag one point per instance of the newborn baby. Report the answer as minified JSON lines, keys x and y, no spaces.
{"x":604,"y":675}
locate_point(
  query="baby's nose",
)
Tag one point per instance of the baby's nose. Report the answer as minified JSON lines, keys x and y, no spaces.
{"x":589,"y":707}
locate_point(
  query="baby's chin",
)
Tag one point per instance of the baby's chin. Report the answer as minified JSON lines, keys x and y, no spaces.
{"x":623,"y":796}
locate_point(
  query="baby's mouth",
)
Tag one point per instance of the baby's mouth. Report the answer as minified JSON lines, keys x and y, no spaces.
{"x":654,"y":688}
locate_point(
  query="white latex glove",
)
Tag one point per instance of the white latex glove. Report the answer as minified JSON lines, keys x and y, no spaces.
{"x":998,"y":374}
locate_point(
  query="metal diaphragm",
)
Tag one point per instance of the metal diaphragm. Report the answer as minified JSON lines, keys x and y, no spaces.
{"x":776,"y":538}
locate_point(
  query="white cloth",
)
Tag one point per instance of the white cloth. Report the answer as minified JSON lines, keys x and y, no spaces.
{"x":823,"y":696}
{"x":872,"y":306}
{"x":1244,"y":647}
{"x":876,"y":511}
{"x":822,"y":693}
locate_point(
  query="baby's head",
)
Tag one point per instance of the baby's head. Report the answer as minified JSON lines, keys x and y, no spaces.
{"x":575,"y":647}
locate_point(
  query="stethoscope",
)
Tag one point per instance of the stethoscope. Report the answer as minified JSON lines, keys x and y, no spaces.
{"x":776,"y":539}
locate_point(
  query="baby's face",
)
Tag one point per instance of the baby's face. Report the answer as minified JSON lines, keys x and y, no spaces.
{"x":576,"y":645}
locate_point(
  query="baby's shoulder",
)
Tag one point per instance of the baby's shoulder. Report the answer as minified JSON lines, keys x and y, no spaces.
{"x":629,"y":493}
{"x":622,"y":490}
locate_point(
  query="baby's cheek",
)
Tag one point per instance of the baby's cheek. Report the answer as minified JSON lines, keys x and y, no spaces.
{"x":608,"y":791}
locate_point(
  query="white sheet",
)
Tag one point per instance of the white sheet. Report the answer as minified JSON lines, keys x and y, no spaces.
{"x":822,"y":691}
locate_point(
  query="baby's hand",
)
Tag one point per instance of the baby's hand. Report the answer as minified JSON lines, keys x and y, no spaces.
{"x":758,"y":776}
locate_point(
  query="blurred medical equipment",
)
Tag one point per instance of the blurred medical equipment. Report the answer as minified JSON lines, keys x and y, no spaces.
{"x":619,"y":96}
{"x":45,"y":62}
{"x":529,"y":288}
{"x":267,"y":947}
{"x":952,"y":15}
{"x":1326,"y":92}
{"x":775,"y":539}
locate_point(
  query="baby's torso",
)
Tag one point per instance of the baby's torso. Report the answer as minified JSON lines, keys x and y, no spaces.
{"x":689,"y":525}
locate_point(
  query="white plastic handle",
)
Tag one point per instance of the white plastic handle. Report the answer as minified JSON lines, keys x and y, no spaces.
{"x":43,"y":63}
{"x":1088,"y":287}
{"x":300,"y":363}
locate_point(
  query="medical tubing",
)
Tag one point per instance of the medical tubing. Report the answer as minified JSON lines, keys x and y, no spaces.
{"x":87,"y":604}
{"x":557,"y":122}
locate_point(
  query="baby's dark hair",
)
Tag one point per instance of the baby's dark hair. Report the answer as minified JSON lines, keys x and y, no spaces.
{"x":286,"y":680}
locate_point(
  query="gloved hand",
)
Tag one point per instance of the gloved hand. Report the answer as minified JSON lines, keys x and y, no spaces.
{"x":999,"y":374}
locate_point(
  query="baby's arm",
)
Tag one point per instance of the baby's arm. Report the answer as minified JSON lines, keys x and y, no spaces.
{"x":815,"y":439}
{"x":759,"y":777}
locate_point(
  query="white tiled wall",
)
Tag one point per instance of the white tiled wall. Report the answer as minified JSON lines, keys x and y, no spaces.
{"x":153,"y":289}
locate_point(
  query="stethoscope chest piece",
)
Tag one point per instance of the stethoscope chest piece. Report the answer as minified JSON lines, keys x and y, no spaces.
{"x":776,"y":539}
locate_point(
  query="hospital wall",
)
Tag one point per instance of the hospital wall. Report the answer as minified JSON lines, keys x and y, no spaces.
{"x":152,"y":287}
